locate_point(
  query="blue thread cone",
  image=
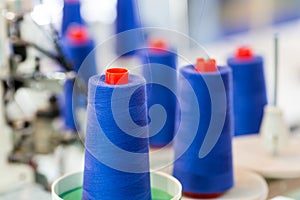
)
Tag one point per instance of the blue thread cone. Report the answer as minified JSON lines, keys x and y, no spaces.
{"x":114,"y":168}
{"x":212,"y":174}
{"x":153,"y":59}
{"x":127,"y":20}
{"x":249,"y":89}
{"x":71,"y":14}
{"x":69,"y":123}
{"x":79,"y":49}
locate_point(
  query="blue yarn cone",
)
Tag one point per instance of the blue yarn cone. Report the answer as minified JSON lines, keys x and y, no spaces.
{"x":116,"y":155}
{"x":249,"y":90}
{"x":71,"y":14}
{"x":78,"y":47}
{"x":80,"y":50}
{"x":69,"y":122}
{"x":127,"y":21}
{"x":213,"y":173}
{"x":154,"y":60}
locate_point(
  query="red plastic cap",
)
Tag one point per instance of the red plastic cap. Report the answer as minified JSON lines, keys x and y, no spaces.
{"x":77,"y":34}
{"x":158,"y":45}
{"x":202,"y":196}
{"x":244,"y":53}
{"x":117,"y":76}
{"x":209,"y":65}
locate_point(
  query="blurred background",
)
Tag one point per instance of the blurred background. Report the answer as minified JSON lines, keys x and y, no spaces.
{"x":35,"y":67}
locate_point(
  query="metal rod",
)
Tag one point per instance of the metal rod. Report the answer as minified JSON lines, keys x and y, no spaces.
{"x":276,"y":68}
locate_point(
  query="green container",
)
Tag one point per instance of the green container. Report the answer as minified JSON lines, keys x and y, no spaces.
{"x":163,"y":187}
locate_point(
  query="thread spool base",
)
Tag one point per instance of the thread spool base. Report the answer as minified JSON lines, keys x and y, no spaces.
{"x":202,"y":196}
{"x":248,"y":186}
{"x":159,"y":181}
{"x":258,"y":159}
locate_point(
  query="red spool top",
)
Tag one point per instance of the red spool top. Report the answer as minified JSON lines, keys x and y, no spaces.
{"x":244,"y":53}
{"x":117,"y":76}
{"x":77,"y":34}
{"x":209,"y":65}
{"x":158,"y":45}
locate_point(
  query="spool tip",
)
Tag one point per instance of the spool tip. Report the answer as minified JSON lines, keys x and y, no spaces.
{"x":77,"y":34}
{"x":202,"y":196}
{"x":71,"y":1}
{"x":209,"y":65}
{"x":117,"y":76}
{"x":158,"y":45}
{"x":244,"y":52}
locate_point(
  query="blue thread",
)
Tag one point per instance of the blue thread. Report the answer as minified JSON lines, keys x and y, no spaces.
{"x":158,"y":94}
{"x":249,"y":94}
{"x":214,"y":172}
{"x":69,"y":123}
{"x":102,"y":181}
{"x":127,"y":19}
{"x":82,"y":56}
{"x":71,"y":14}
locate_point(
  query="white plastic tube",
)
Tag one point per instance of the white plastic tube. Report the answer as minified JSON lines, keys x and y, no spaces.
{"x":274,"y":131}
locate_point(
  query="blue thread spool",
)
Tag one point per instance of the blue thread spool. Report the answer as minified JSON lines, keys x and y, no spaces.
{"x":157,"y":54}
{"x":71,"y":14}
{"x":69,"y":123}
{"x":127,"y":20}
{"x":212,"y":175}
{"x":109,"y":149}
{"x":249,"y":90}
{"x":79,"y":50}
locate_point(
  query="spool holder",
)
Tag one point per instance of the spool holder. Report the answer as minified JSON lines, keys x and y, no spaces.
{"x":274,"y":130}
{"x":159,"y":180}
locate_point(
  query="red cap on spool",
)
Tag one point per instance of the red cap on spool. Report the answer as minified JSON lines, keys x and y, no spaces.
{"x":244,"y":53}
{"x":209,"y":65}
{"x":117,"y":76}
{"x":77,"y":34}
{"x":158,"y":45}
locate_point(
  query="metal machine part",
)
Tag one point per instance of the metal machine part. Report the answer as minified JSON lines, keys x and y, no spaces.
{"x":29,"y":95}
{"x":12,"y":175}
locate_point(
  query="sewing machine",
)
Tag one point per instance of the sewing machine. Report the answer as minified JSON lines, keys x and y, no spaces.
{"x":31,"y":136}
